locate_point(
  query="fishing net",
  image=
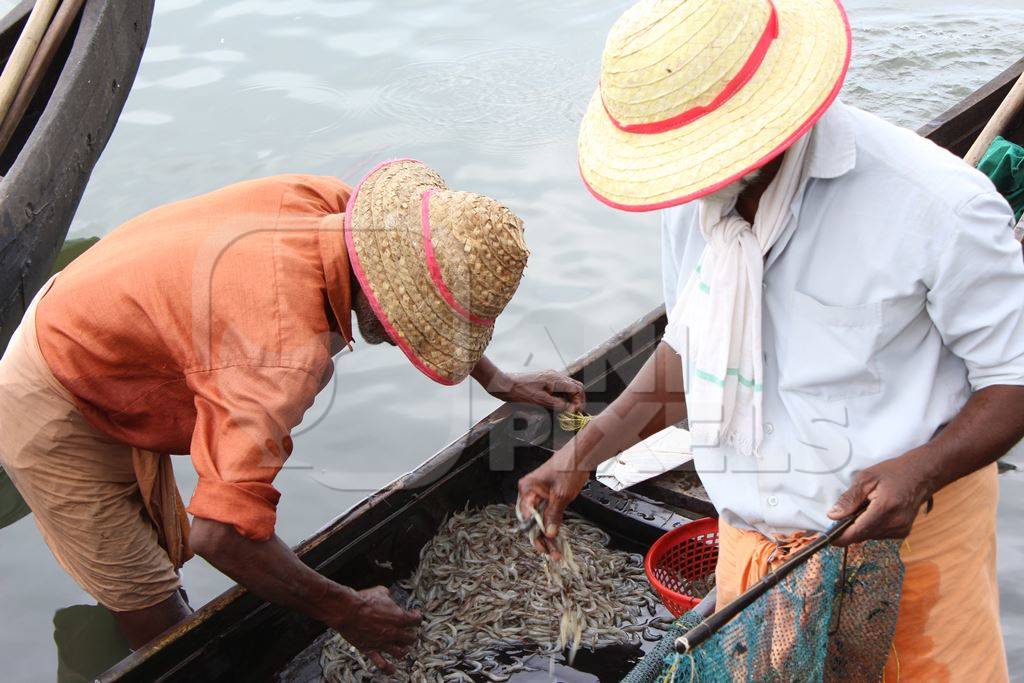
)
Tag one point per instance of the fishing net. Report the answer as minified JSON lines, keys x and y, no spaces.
{"x":1004,"y":164}
{"x":832,"y":619}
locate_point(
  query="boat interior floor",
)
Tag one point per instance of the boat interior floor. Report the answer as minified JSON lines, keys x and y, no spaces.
{"x":633,"y":521}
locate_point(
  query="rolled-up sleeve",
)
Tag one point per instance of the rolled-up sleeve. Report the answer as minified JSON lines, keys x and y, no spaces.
{"x":976,"y":296}
{"x":242,"y":438}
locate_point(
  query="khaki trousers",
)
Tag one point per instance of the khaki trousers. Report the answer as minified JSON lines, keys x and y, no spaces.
{"x":110,"y":513}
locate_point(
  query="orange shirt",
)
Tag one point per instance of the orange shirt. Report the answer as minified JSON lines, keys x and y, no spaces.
{"x":207,"y":327}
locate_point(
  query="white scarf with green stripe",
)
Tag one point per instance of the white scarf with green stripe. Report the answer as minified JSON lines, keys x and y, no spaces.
{"x":720,"y":312}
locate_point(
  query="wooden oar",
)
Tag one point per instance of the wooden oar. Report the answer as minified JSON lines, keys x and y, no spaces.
{"x":23,"y":52}
{"x":38,"y":67}
{"x":1006,"y":112}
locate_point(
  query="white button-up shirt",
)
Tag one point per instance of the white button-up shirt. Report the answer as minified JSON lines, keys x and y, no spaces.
{"x":895,"y":290}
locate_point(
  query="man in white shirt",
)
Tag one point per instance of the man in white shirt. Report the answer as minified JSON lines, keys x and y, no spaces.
{"x":844,"y":312}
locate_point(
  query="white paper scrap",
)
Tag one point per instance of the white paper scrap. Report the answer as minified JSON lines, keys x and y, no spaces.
{"x":657,"y":454}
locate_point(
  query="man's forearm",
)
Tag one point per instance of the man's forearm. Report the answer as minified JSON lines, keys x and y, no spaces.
{"x":272,"y":571}
{"x":894,"y":490}
{"x":368,"y":619}
{"x":988,"y":425}
{"x":489,"y":376}
{"x":652,"y":401}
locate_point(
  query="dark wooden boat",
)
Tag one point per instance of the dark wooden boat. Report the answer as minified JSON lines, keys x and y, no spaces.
{"x":240,"y":637}
{"x":52,"y":153}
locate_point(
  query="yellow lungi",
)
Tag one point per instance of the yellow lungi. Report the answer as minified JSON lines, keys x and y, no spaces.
{"x":948,"y":625}
{"x":111,"y":514}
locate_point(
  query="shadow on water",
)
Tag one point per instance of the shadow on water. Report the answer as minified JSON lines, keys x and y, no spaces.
{"x":88,"y":642}
{"x":12,"y":505}
{"x":71,"y":250}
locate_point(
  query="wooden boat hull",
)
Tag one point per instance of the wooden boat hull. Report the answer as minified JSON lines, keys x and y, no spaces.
{"x":238,"y":636}
{"x":956,"y":128}
{"x":48,"y":162}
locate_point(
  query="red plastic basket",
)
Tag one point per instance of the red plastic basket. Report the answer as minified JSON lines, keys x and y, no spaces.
{"x":686,"y":553}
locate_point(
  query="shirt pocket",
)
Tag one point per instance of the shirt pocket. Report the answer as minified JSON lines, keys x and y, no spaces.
{"x":832,"y":349}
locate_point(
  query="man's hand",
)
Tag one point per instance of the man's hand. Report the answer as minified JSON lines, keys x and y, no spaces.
{"x":552,"y":486}
{"x":651,"y":402}
{"x":375,"y":624}
{"x":547,"y":388}
{"x":894,"y":490}
{"x":986,"y":427}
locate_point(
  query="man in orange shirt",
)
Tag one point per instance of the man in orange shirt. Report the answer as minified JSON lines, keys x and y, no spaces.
{"x":207,"y":327}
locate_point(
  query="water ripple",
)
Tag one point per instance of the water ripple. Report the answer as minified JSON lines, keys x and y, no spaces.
{"x":146,"y":117}
{"x":911,"y":68}
{"x":276,"y":8}
{"x":504,"y":98}
{"x":192,"y":78}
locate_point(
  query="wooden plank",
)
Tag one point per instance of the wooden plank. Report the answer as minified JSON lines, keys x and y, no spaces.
{"x":1002,"y":120}
{"x":24,"y":50}
{"x":38,"y":68}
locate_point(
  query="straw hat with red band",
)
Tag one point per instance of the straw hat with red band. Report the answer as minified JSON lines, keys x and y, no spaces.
{"x":437,"y":265}
{"x":695,"y":94}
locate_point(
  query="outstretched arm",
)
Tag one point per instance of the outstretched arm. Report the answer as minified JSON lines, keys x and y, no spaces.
{"x":369,"y":619}
{"x":652,"y":401}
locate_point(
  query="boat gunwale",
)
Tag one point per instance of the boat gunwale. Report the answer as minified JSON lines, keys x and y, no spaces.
{"x":16,"y":15}
{"x":46,"y":180}
{"x":943,"y":129}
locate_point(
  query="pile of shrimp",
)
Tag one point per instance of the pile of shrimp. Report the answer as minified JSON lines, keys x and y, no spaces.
{"x":490,"y":600}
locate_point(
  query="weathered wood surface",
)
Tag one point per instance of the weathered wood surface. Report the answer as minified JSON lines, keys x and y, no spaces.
{"x":53,"y":150}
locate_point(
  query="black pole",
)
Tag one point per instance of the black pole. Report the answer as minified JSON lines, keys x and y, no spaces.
{"x":709,"y":626}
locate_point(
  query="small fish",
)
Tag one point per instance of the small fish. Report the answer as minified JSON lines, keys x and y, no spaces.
{"x":489,"y":601}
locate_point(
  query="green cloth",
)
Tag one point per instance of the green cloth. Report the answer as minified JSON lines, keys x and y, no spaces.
{"x":1004,"y":164}
{"x":71,"y":250}
{"x":12,"y":505}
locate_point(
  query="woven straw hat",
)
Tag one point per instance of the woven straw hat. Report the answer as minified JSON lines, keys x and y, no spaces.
{"x":437,"y":265}
{"x":695,"y":94}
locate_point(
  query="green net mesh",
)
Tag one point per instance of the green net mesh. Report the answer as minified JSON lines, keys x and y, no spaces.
{"x":1004,"y":164}
{"x":831,"y":619}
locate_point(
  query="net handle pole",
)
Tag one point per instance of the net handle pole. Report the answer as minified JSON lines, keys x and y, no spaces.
{"x":1002,"y":117}
{"x":24,"y":49}
{"x":37,"y":68}
{"x":709,"y":626}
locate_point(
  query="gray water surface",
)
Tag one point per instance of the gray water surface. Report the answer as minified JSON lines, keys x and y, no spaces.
{"x":490,"y":94}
